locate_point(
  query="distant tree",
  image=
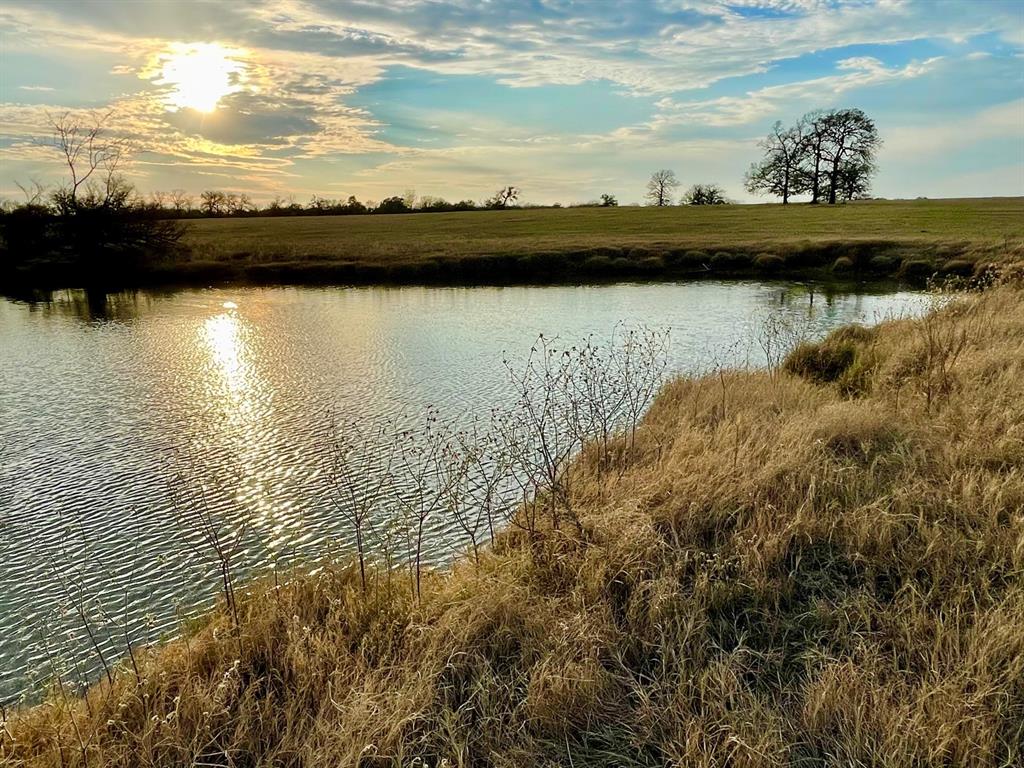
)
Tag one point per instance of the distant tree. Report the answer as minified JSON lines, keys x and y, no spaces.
{"x":409,"y":198}
{"x":354,"y":206}
{"x":609,"y":201}
{"x":393,"y":204}
{"x":319,"y":204}
{"x":239,"y":204}
{"x":504,"y":197}
{"x":180,"y":200}
{"x":660,"y":188}
{"x":213,"y":202}
{"x":849,"y":150}
{"x":781,"y":172}
{"x":705,"y":194}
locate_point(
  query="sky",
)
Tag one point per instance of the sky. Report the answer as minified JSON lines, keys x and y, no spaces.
{"x":565,"y":99}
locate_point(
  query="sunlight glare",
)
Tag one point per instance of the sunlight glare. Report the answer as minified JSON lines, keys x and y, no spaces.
{"x":200,"y":74}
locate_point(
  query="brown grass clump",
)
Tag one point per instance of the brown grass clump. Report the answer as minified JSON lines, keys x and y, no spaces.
{"x":780,"y":576}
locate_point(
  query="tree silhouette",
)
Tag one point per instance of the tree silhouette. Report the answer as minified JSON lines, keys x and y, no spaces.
{"x":661,"y":186}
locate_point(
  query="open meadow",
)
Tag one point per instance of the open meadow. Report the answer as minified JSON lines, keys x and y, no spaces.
{"x":883,"y":238}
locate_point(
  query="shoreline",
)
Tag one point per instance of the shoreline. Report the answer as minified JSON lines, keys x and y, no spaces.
{"x":855,"y":262}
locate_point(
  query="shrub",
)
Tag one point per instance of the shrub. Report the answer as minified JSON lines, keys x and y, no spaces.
{"x":882,"y":263}
{"x":689,"y":258}
{"x":652,"y":264}
{"x":844,"y":358}
{"x":597,"y":265}
{"x":769,"y":262}
{"x":727,"y":261}
{"x":917,"y":268}
{"x":842,"y":264}
{"x":959,"y":267}
{"x":821,"y":362}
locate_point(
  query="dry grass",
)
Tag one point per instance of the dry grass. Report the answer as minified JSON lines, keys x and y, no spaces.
{"x":784,"y":575}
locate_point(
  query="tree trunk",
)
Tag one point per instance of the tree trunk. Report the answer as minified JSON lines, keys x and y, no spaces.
{"x":816,"y":182}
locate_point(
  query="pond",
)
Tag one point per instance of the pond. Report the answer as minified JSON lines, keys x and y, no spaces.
{"x":99,"y":394}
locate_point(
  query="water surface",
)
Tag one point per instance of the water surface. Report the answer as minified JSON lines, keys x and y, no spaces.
{"x":99,"y":394}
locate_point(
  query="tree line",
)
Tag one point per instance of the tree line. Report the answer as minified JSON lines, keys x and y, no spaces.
{"x":827,"y":154}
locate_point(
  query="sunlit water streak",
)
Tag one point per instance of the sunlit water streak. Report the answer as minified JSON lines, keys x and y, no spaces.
{"x":100,"y":398}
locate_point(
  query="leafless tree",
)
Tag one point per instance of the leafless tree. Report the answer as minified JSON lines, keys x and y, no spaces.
{"x":213,"y":202}
{"x":504,"y":197}
{"x":181,"y":200}
{"x":660,"y":188}
{"x":781,"y":172}
{"x":90,"y":153}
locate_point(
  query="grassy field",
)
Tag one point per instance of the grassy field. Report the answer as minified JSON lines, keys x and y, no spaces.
{"x":816,"y":565}
{"x":884,"y":238}
{"x":865,"y":240}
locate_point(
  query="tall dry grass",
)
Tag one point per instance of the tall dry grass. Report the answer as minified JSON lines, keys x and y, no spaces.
{"x":789,"y":569}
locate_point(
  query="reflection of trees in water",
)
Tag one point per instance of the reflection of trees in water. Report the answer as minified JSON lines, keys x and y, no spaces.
{"x":89,"y":305}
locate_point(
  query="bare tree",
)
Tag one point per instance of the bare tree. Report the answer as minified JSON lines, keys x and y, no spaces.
{"x":213,"y":202}
{"x":181,"y":200}
{"x":504,"y":197}
{"x":90,"y":153}
{"x":781,"y":172}
{"x":660,"y":188}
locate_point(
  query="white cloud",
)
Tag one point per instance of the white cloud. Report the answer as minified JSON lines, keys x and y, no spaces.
{"x":860,"y":72}
{"x":307,"y":58}
{"x":1005,"y":121}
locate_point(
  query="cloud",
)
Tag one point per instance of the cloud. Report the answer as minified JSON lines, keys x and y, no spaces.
{"x":40,"y":88}
{"x":305,"y":62}
{"x":756,"y":105}
{"x":1004,"y":121}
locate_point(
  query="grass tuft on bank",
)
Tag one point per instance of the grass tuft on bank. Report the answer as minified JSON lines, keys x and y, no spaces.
{"x":821,"y":564}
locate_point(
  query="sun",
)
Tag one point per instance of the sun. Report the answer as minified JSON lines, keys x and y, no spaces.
{"x":200,"y":74}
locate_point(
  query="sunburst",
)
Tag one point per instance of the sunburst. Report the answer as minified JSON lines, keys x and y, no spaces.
{"x":200,"y":74}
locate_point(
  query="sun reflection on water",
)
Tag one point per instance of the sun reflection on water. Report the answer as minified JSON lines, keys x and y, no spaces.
{"x":222,"y":334}
{"x":244,"y":432}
